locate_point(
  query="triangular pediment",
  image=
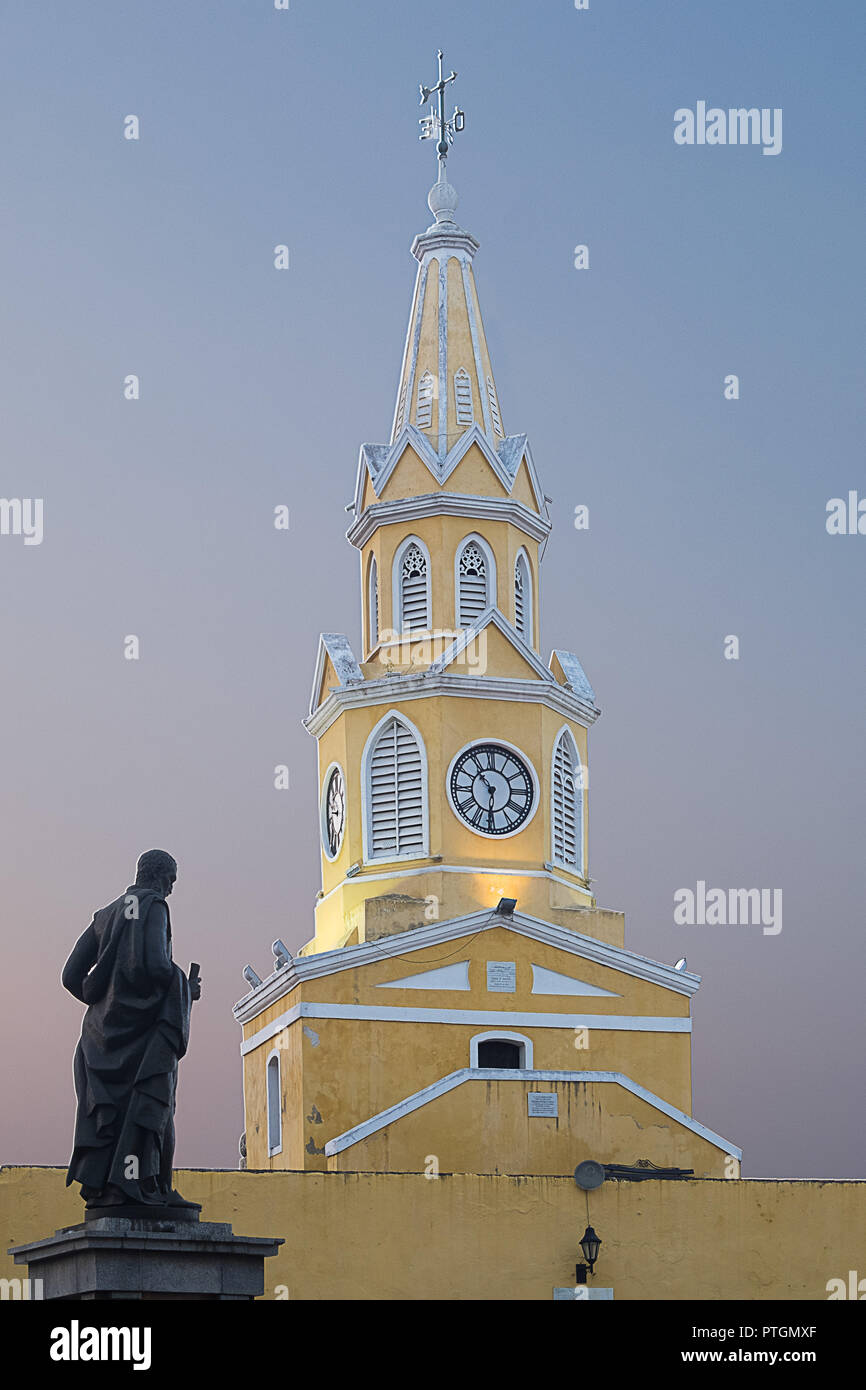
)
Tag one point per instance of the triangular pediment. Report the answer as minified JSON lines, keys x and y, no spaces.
{"x":504,"y":654}
{"x":567,"y":951}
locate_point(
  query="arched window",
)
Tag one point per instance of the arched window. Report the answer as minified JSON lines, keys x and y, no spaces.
{"x":463,"y":397}
{"x":394,"y":770}
{"x":275,"y":1115}
{"x":475,"y":580}
{"x":567,"y":795}
{"x":412,"y":586}
{"x":500,"y":1048}
{"x":373,"y":603}
{"x":523,"y":597}
{"x":497,"y":1052}
{"x":424,"y":410}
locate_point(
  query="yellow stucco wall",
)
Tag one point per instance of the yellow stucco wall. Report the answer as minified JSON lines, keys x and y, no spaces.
{"x":483,"y":1126}
{"x":355,"y":1068}
{"x":401,"y":1236}
{"x":446,"y":725}
{"x":442,"y":536}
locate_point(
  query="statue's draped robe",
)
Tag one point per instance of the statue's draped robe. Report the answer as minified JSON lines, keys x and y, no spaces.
{"x":134,"y":1031}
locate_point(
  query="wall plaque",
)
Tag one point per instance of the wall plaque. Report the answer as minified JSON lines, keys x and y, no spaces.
{"x":501,"y":976}
{"x":544,"y":1103}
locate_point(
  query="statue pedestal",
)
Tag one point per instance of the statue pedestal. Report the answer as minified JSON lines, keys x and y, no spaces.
{"x":159,"y":1254}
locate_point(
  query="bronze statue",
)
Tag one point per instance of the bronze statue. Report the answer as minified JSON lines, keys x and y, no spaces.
{"x":134,"y":1032}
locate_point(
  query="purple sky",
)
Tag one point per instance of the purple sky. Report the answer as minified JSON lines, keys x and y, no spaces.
{"x":707,"y":517}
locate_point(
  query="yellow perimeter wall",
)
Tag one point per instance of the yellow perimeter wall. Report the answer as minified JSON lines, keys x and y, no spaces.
{"x":402,"y":1236}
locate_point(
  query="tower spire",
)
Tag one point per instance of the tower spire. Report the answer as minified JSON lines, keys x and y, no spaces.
{"x":446,"y":381}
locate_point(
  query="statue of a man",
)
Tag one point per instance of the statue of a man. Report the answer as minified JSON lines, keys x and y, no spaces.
{"x":134,"y":1032}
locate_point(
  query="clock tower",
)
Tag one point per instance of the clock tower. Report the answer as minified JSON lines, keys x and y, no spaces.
{"x":463,"y":999}
{"x":452,"y":751}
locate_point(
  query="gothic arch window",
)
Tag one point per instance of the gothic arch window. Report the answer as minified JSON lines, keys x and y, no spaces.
{"x":567,"y":803}
{"x":275,"y":1115}
{"x":394,"y":773}
{"x":523,"y":597}
{"x":412,"y":586}
{"x":424,"y":408}
{"x":500,"y":1048}
{"x":373,"y":603}
{"x":463,"y":397}
{"x":475,"y":580}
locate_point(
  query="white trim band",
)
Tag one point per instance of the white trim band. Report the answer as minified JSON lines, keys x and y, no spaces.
{"x":494,"y":1018}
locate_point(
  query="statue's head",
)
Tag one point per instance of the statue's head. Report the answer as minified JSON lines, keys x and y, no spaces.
{"x":157,"y":870}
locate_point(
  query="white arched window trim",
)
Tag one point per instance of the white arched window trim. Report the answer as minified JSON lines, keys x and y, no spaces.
{"x":366,"y":801}
{"x":372,"y":604}
{"x":490,"y":562}
{"x":397,"y":586}
{"x":274,"y":1099}
{"x":579,"y":802}
{"x":528,"y":596}
{"x":501,"y":1035}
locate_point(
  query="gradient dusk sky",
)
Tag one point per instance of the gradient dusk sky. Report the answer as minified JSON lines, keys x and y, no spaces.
{"x":707,"y":516}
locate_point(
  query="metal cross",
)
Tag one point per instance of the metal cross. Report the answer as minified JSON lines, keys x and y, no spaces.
{"x":435,"y":123}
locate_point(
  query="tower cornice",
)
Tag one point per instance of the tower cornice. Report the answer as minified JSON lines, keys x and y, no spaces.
{"x":424,"y":686}
{"x":406,"y":510}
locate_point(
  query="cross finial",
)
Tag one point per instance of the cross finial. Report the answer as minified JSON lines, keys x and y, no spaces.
{"x":435,"y":123}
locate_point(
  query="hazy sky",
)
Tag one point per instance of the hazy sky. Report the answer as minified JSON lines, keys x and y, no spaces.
{"x":707,"y":516}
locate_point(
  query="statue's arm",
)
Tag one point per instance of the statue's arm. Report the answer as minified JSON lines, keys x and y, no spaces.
{"x":157,"y":951}
{"x":82,"y":957}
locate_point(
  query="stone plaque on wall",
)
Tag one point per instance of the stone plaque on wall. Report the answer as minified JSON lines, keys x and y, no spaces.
{"x":501,"y":976}
{"x":544,"y":1103}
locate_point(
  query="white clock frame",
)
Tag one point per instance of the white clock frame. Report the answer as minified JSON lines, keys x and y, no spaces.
{"x":323,"y":811}
{"x":527,"y":763}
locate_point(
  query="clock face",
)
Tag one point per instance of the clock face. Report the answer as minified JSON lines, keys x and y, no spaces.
{"x":334,"y":813}
{"x":491,"y":789}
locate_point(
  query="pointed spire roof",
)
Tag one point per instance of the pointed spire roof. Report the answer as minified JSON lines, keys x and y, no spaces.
{"x":446,"y":379}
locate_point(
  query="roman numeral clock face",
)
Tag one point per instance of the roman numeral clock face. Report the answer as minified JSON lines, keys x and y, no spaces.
{"x":491,"y":789}
{"x":334,"y":813}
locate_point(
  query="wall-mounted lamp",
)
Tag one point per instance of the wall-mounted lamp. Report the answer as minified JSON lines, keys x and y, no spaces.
{"x":589,"y":1244}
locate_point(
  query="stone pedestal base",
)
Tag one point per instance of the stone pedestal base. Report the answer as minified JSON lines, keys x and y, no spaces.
{"x":147,"y":1257}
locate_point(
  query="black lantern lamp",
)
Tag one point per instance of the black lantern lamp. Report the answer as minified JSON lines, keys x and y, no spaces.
{"x":589,"y":1244}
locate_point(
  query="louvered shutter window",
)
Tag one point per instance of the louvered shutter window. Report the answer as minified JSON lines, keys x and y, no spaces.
{"x":463,"y":397}
{"x":373,"y":603}
{"x":567,"y":804}
{"x":401,"y":407}
{"x":494,"y":407}
{"x":275,"y":1118}
{"x":413,"y":589}
{"x":424,"y":413}
{"x":472,"y":584}
{"x":396,"y":793}
{"x":522,"y":599}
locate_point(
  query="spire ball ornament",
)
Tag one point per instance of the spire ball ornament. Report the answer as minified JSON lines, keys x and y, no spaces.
{"x":442,"y":202}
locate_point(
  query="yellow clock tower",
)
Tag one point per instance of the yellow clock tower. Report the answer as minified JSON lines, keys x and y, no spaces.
{"x":463,"y":995}
{"x":452,"y":755}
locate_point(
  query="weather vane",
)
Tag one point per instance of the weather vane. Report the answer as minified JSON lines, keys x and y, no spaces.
{"x":435,"y":124}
